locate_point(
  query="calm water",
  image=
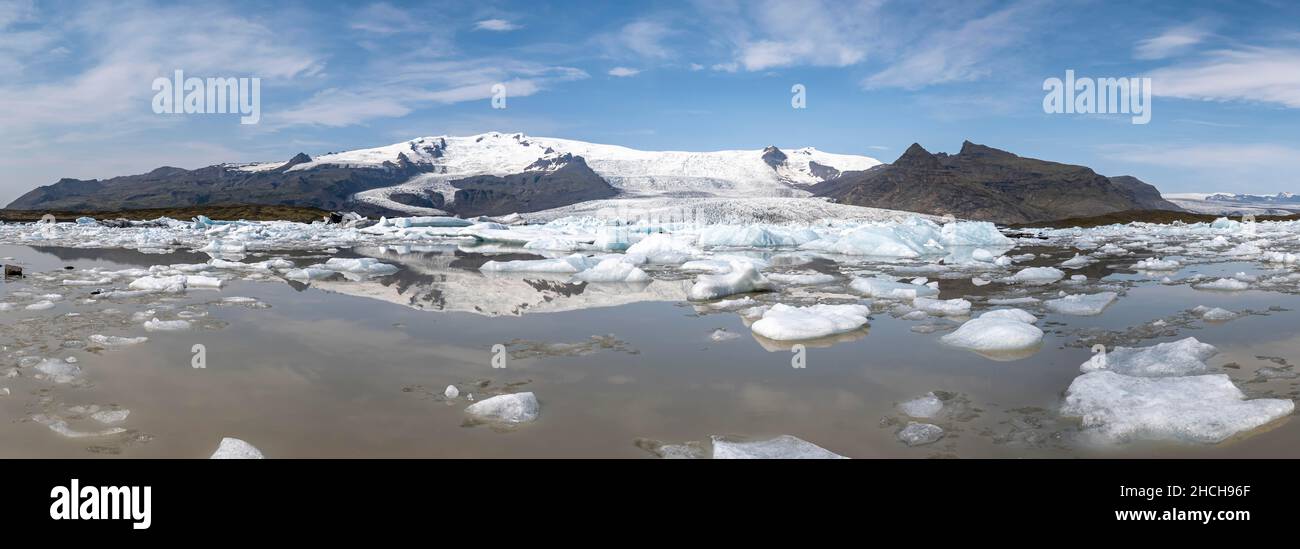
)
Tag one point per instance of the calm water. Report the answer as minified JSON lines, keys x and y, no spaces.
{"x":344,"y":369}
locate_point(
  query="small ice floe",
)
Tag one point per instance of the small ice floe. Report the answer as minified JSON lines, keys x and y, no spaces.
{"x":367,"y":266}
{"x":98,"y":282}
{"x":550,"y":243}
{"x":109,"y":417}
{"x":997,"y":337}
{"x":802,"y":279}
{"x":4,"y":391}
{"x":1206,"y":408}
{"x":1215,"y":314}
{"x":920,"y":434}
{"x":1078,"y":261}
{"x":309,"y":273}
{"x":884,"y":288}
{"x":61,"y":427}
{"x":241,"y":300}
{"x":233,"y":448}
{"x":1020,"y":315}
{"x":937,"y":307}
{"x":924,"y":406}
{"x":977,"y":281}
{"x":1157,"y":264}
{"x":451,"y":392}
{"x":1178,"y":358}
{"x":511,"y":409}
{"x":613,"y":269}
{"x":40,"y":305}
{"x":1013,"y":300}
{"x":571,"y":264}
{"x":1223,"y":285}
{"x":203,"y":282}
{"x":786,"y":323}
{"x":743,"y":278}
{"x":1036,"y":276}
{"x":155,"y":325}
{"x":721,"y":334}
{"x":116,"y":341}
{"x":662,"y":248}
{"x":166,"y":284}
{"x":782,"y":447}
{"x":58,"y":371}
{"x":1081,"y":304}
{"x":1280,"y":257}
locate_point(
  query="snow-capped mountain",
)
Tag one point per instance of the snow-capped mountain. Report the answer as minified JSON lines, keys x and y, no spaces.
{"x":1222,"y":203}
{"x":444,"y":159}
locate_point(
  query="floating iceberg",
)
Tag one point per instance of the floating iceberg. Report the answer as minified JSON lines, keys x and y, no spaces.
{"x":116,"y":341}
{"x":1081,"y":304}
{"x":368,"y":266}
{"x":1037,"y":276}
{"x":924,"y":406}
{"x":233,"y":448}
{"x":1178,"y":358}
{"x":1223,"y":285}
{"x":1019,"y":315}
{"x":743,"y":278}
{"x":1157,"y":264}
{"x":802,"y":279}
{"x":950,"y":307}
{"x":1206,"y":409}
{"x":614,"y":269}
{"x":782,"y":447}
{"x":512,"y":409}
{"x":786,"y":323}
{"x":997,"y":338}
{"x":884,"y":288}
{"x":919,"y":434}
{"x":572,"y":264}
{"x":664,"y":249}
{"x":754,"y":236}
{"x":155,"y":325}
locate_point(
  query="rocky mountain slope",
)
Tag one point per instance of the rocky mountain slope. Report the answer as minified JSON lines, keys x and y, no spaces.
{"x":984,"y":183}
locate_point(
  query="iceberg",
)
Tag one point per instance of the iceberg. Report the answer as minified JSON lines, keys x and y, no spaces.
{"x":996,"y":338}
{"x":662,"y":248}
{"x":786,"y":323}
{"x":1019,"y":315}
{"x":571,"y":264}
{"x":155,"y":325}
{"x":1081,"y":304}
{"x":1223,"y":285}
{"x":1205,"y":409}
{"x":920,"y":434}
{"x":782,"y":447}
{"x":884,"y":288}
{"x":1157,"y":264}
{"x":368,"y":266}
{"x":924,"y":406}
{"x":1037,"y":276}
{"x":233,"y":448}
{"x":1178,"y":358}
{"x":512,"y":409}
{"x":743,"y":278}
{"x":614,"y":269}
{"x":950,"y":307}
{"x":754,"y":236}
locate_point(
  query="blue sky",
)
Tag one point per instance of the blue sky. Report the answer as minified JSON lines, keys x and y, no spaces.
{"x":75,"y":80}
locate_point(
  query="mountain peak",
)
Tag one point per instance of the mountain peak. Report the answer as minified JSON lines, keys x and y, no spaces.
{"x":970,"y":149}
{"x":300,"y":158}
{"x":773,"y":156}
{"x":917,"y":157}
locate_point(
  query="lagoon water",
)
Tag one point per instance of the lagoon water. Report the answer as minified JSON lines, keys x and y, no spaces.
{"x":358,"y":368}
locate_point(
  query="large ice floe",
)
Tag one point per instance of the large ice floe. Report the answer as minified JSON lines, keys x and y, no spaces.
{"x":787,"y":323}
{"x":1004,"y":334}
{"x":1161,"y":392}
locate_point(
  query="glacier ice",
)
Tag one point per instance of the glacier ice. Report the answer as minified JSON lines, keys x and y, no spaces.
{"x":1081,"y":304}
{"x":884,"y":288}
{"x":996,"y":336}
{"x":924,"y":406}
{"x":782,"y":447}
{"x":785,"y":323}
{"x":1178,"y":358}
{"x":511,"y":409}
{"x":614,"y":269}
{"x":743,"y":277}
{"x":1205,"y":408}
{"x":233,"y":448}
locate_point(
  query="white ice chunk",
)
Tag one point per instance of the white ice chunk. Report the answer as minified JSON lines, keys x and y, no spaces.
{"x":233,"y":448}
{"x":664,"y":249}
{"x":513,"y":408}
{"x":743,"y":278}
{"x":995,"y":335}
{"x":885,"y":288}
{"x":614,"y":269}
{"x":803,"y":279}
{"x":1081,"y":304}
{"x":166,"y":284}
{"x":1206,"y":409}
{"x":1223,"y":285}
{"x":1216,"y":314}
{"x":1157,"y":264}
{"x":362,"y":266}
{"x":782,"y":447}
{"x":786,"y":323}
{"x":1077,"y":261}
{"x":572,"y":264}
{"x":927,"y":405}
{"x":58,"y":371}
{"x":1037,"y":276}
{"x":1011,"y":314}
{"x":1178,"y":358}
{"x":116,"y":341}
{"x":919,"y":434}
{"x":155,"y":325}
{"x":949,"y":307}
{"x":451,"y":392}
{"x":110,"y":416}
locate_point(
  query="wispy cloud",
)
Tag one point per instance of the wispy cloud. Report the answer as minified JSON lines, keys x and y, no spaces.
{"x":496,"y":25}
{"x":1171,"y":42}
{"x":1268,"y":75}
{"x":644,"y":38}
{"x":772,"y":34}
{"x":957,"y":55}
{"x":623,"y":72}
{"x":384,"y":18}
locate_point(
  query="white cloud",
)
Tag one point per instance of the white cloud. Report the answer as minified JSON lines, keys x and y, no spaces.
{"x":956,"y":55}
{"x":384,"y":18}
{"x":497,"y":25}
{"x":1171,"y":42}
{"x":1268,"y":75}
{"x":643,"y":38}
{"x":773,"y":34}
{"x":623,"y":72}
{"x":696,"y":67}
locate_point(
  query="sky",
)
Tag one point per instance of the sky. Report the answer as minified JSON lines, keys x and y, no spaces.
{"x":76,"y":96}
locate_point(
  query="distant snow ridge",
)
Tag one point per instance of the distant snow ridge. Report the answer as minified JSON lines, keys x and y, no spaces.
{"x":734,"y":173}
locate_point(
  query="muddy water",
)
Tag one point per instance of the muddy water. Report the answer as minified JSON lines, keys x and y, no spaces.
{"x":358,"y":369}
